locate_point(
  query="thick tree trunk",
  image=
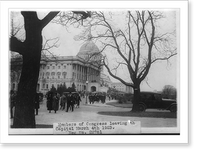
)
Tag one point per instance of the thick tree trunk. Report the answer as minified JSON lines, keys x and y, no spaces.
{"x":136,"y":99}
{"x":24,"y":116}
{"x":24,"y":110}
{"x":30,"y":49}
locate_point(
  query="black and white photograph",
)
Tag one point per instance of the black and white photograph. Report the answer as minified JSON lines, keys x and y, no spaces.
{"x":94,"y":71}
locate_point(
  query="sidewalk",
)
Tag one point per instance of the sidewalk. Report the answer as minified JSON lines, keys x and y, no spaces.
{"x":98,"y":112}
{"x":99,"y":104}
{"x":86,"y":112}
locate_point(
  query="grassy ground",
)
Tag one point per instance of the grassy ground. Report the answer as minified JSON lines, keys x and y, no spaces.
{"x":148,"y":113}
{"x":139,"y":114}
{"x":124,"y":105}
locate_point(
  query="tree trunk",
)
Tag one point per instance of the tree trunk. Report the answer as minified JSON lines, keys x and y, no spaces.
{"x":30,"y":49}
{"x":24,"y":116}
{"x":136,"y":98}
{"x":24,"y":110}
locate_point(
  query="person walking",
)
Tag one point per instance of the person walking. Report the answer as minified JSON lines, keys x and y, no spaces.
{"x":69,"y":100}
{"x":73,"y":101}
{"x":109,"y":96}
{"x":37,"y":103}
{"x":62,"y":102}
{"x":50,"y":101}
{"x":78,"y":100}
{"x":55,"y":102}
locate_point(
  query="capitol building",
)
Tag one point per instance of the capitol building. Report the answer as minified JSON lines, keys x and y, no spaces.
{"x":84,"y":70}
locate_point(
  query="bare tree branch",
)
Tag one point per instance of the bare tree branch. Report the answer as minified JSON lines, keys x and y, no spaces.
{"x":48,"y":18}
{"x":49,"y":45}
{"x":151,"y":43}
{"x":130,"y":40}
{"x":116,"y":77}
{"x":17,"y":46}
{"x":72,"y":17}
{"x":164,"y":58}
{"x":137,"y":45}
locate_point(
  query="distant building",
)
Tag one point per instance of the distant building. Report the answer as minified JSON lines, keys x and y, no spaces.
{"x":105,"y":83}
{"x":66,"y":69}
{"x":121,"y":87}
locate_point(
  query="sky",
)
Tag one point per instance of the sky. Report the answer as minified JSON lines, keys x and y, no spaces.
{"x":161,"y":73}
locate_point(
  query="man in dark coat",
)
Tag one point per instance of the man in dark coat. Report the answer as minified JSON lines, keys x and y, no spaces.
{"x":70,"y":102}
{"x":90,"y":98}
{"x":50,"y":101}
{"x":78,"y":100}
{"x":55,"y":102}
{"x":37,"y":103}
{"x":62,"y":102}
{"x":73,"y":101}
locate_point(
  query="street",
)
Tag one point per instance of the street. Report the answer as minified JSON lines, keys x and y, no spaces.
{"x":95,"y":112}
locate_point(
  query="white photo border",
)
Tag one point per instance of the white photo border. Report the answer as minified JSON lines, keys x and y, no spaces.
{"x":183,"y":85}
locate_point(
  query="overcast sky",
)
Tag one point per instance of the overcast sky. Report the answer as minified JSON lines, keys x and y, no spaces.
{"x":161,"y":73}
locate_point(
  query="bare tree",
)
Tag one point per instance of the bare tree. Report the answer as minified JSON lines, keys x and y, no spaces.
{"x":75,"y":18}
{"x":16,"y":59}
{"x":139,"y":44}
{"x":48,"y":45}
{"x":31,"y":48}
{"x":169,"y":92}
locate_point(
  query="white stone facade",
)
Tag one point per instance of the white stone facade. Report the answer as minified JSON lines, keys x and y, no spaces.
{"x":121,"y":87}
{"x":83,"y":70}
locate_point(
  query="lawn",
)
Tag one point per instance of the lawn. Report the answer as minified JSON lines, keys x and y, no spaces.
{"x":124,"y":105}
{"x":139,"y":114}
{"x":154,"y":113}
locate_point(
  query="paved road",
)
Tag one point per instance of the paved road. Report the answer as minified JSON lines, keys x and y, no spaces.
{"x":97,"y":112}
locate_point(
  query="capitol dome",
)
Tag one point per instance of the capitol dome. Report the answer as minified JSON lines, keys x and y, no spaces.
{"x":87,"y":49}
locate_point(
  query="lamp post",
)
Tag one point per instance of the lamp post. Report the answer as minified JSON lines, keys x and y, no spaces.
{"x":86,"y":91}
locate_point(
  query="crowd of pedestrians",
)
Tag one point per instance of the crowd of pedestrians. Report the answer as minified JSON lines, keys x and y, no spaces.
{"x":97,"y":97}
{"x":68,"y":101}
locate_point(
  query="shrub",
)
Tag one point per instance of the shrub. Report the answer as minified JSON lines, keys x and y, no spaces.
{"x":122,"y":99}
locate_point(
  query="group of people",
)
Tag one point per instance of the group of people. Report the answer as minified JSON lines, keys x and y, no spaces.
{"x":67,"y":101}
{"x":97,"y":97}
